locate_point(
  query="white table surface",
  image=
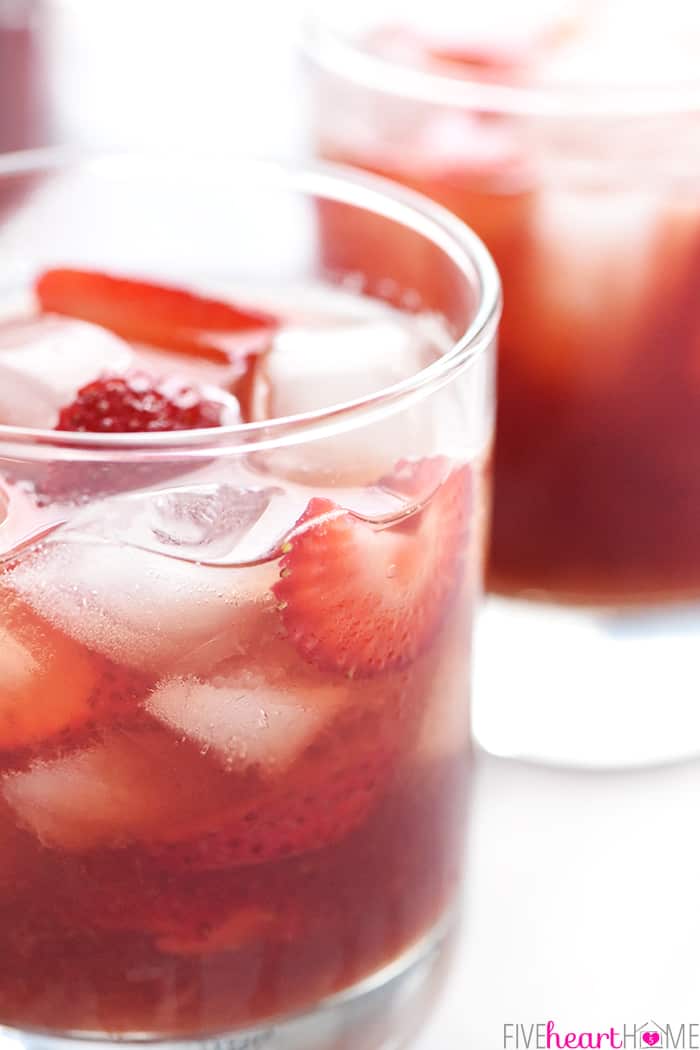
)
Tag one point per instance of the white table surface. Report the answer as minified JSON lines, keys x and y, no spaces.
{"x":582,"y":894}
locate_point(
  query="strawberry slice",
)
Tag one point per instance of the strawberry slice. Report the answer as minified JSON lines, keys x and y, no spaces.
{"x":322,"y":804}
{"x":118,"y":690}
{"x":113,"y":701}
{"x":329,"y":791}
{"x":46,"y":679}
{"x":360,"y":600}
{"x":141,"y":312}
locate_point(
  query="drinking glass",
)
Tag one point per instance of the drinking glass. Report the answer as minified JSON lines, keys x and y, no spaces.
{"x":234,"y":662}
{"x":588,"y":197}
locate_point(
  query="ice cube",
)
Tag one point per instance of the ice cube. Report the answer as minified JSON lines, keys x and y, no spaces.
{"x":130,"y":787}
{"x":245,"y":718}
{"x":24,"y":400}
{"x":313,"y":368}
{"x":144,"y":610}
{"x":201,"y":522}
{"x":45,"y":361}
{"x":126,"y":576}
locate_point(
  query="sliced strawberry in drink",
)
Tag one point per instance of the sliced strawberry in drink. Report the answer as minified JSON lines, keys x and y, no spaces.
{"x":46,"y":679}
{"x":118,"y":690}
{"x":320,"y":754}
{"x":360,"y":600}
{"x":142,"y":786}
{"x":315,"y":806}
{"x":113,"y":701}
{"x":143,"y":312}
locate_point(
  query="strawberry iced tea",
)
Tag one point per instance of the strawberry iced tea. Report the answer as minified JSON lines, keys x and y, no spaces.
{"x":566,"y":136}
{"x":233,"y":696}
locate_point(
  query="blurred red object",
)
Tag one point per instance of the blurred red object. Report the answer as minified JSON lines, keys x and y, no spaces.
{"x":21,"y":92}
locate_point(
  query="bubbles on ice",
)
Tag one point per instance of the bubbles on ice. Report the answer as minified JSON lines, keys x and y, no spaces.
{"x":130,"y":787}
{"x":45,"y":361}
{"x":246,"y":719}
{"x":128,"y":583}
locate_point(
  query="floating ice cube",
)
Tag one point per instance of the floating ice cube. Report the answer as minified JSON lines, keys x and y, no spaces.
{"x":246,"y":718}
{"x":142,"y":609}
{"x":45,"y":361}
{"x":24,"y":400}
{"x":313,"y":368}
{"x":131,"y":787}
{"x":125,"y":577}
{"x":201,"y":522}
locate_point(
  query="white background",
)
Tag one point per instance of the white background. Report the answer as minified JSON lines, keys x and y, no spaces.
{"x":583,"y":889}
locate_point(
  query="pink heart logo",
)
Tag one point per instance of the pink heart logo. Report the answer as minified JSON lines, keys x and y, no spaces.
{"x":650,"y":1038}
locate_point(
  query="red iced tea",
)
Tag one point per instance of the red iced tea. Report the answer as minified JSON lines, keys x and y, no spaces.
{"x":593,"y":218}
{"x":233,"y":723}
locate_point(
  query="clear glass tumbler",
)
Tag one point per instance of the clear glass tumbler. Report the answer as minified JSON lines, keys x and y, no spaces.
{"x":588,"y":197}
{"x":234,"y":661}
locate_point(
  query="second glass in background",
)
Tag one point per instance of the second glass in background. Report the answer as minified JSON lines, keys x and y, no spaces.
{"x":583,"y":178}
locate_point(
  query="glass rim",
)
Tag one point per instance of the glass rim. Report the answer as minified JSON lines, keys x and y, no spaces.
{"x":341,"y":54}
{"x":316,"y":180}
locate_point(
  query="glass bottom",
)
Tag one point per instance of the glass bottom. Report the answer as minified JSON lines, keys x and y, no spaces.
{"x":588,"y":687}
{"x":383,"y":1012}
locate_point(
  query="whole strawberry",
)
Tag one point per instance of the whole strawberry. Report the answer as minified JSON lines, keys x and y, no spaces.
{"x":136,"y":403}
